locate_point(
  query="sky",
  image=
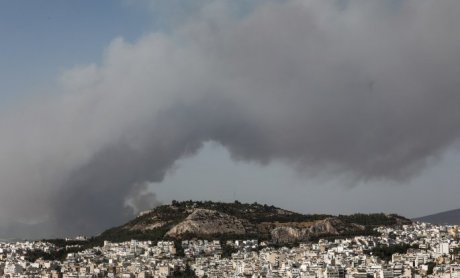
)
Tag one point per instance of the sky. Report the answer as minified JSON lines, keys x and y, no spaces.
{"x":109,"y":108}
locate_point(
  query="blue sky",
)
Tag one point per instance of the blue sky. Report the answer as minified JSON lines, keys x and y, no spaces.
{"x":42,"y":38}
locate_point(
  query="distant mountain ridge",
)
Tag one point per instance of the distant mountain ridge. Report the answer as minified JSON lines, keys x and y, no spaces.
{"x":451,"y":217}
{"x":216,"y":220}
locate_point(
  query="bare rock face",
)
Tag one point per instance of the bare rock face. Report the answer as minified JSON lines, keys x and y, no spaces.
{"x":285,"y":234}
{"x":208,"y":222}
{"x":326,"y":226}
{"x":292,"y":232}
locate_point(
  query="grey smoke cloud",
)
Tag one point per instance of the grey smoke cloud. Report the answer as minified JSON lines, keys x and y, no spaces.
{"x":362,"y":90}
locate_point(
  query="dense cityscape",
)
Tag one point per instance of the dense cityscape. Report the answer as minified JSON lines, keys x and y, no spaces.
{"x":416,"y":250}
{"x":230,"y":138}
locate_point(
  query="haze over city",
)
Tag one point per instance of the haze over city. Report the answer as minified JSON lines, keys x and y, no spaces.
{"x":109,"y":108}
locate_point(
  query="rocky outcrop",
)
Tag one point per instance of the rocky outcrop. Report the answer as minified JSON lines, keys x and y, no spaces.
{"x":208,"y":222}
{"x":285,"y":234}
{"x":292,"y":232}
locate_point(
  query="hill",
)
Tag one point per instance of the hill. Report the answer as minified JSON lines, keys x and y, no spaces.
{"x":215,"y":220}
{"x":446,"y":217}
{"x":223,"y":221}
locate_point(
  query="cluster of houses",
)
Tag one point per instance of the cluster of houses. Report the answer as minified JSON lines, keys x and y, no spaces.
{"x":434,"y":252}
